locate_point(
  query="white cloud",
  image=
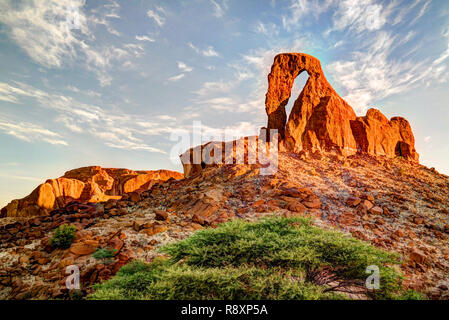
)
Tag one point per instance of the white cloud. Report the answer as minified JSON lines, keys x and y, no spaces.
{"x":40,"y":28}
{"x":213,"y":87}
{"x":158,"y":15}
{"x":359,"y":16}
{"x":183,"y":67}
{"x":116,"y":130}
{"x":269,"y":29}
{"x":220,"y":7}
{"x":17,"y":177}
{"x":145,"y":38}
{"x":123,"y":140}
{"x":166,"y":117}
{"x":176,"y":78}
{"x":208,"y":52}
{"x":70,"y":123}
{"x":302,"y":8}
{"x":30,"y":132}
{"x":404,"y":12}
{"x":374,"y":73}
{"x":421,"y":12}
{"x":103,"y":14}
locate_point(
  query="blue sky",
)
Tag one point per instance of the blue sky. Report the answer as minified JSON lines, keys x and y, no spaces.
{"x":107,"y":82}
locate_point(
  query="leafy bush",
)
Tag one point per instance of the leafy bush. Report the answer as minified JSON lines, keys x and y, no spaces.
{"x":63,"y":236}
{"x":104,"y":254}
{"x":273,"y":259}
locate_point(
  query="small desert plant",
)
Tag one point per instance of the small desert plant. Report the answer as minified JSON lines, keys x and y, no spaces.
{"x":104,"y":254}
{"x":63,"y":236}
{"x":272,"y":259}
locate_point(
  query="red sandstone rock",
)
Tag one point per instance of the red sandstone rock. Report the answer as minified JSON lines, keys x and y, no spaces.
{"x":84,"y":248}
{"x":88,"y":184}
{"x":320,"y":118}
{"x":376,"y":135}
{"x":322,"y":121}
{"x":353,"y":201}
{"x":418,"y":256}
{"x":376,"y":210}
{"x":161,"y":215}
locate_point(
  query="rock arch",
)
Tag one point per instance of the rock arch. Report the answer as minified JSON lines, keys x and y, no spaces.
{"x":319,"y":119}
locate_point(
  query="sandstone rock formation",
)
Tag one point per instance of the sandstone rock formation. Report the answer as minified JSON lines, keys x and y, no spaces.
{"x":209,"y":154}
{"x":321,"y":120}
{"x":88,"y":184}
{"x":376,"y":135}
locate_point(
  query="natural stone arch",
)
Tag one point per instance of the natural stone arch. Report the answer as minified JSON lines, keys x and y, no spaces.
{"x":320,"y":118}
{"x":285,"y":69}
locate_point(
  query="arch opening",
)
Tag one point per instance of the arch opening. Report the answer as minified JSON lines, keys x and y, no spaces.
{"x":298,"y":86}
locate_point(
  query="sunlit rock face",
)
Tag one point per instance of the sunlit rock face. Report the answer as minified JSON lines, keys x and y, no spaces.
{"x":88,"y":184}
{"x":321,"y":120}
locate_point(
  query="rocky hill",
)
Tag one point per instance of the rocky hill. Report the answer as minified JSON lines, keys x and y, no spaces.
{"x":88,"y":184}
{"x":359,"y":175}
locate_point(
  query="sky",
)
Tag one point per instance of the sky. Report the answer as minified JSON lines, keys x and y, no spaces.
{"x":114,"y":83}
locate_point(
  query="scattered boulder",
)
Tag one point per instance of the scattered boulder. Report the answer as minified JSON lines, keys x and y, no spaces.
{"x":84,"y":247}
{"x":353,"y":201}
{"x":418,"y":256}
{"x":161,"y":215}
{"x":376,"y":210}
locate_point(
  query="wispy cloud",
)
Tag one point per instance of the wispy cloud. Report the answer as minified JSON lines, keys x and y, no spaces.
{"x":211,"y":87}
{"x":158,"y":15}
{"x":115,"y":129}
{"x":268,"y":29}
{"x":302,"y":8}
{"x":208,"y":52}
{"x":373,"y":73}
{"x":103,"y":15}
{"x":220,"y":7}
{"x":145,"y":38}
{"x":30,"y":132}
{"x":421,"y":12}
{"x":183,"y":67}
{"x":40,"y":28}
{"x":21,"y":177}
{"x":176,"y":78}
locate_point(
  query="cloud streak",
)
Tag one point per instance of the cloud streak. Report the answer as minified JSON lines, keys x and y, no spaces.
{"x":30,"y":132}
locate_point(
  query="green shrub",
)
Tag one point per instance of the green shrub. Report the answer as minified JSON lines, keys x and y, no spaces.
{"x":272,"y":259}
{"x":104,"y":254}
{"x":63,"y":236}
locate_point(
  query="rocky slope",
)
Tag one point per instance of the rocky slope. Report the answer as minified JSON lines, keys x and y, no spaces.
{"x":356,"y":174}
{"x":89,"y":184}
{"x":392,"y":203}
